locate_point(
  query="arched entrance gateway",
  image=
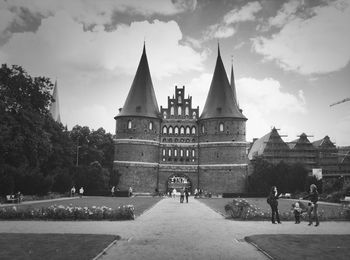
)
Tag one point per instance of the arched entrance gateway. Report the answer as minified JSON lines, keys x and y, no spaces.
{"x":179,"y":181}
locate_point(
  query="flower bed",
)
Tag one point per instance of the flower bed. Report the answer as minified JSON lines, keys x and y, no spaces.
{"x":241,"y":209}
{"x":59,"y":212}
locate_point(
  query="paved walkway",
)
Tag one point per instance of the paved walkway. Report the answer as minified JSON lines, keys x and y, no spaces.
{"x":171,"y":230}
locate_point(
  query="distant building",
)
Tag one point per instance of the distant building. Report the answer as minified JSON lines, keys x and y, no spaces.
{"x":322,"y":154}
{"x":55,"y":107}
{"x":176,"y":146}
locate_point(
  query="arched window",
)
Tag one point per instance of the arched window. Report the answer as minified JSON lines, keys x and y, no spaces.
{"x":188,"y":131}
{"x":175,"y":152}
{"x":203,"y":129}
{"x":170,"y":130}
{"x":179,"y":111}
{"x":163,"y":152}
{"x":129,"y":124}
{"x":164,"y":114}
{"x":176,"y":130}
{"x":150,"y":125}
{"x":187,"y":111}
{"x":221,"y":127}
{"x":172,"y":110}
{"x":182,"y":130}
{"x":179,"y":100}
{"x":193,"y":130}
{"x":187,"y":153}
{"x":165,"y":130}
{"x":181,"y":153}
{"x":169,"y":152}
{"x":193,"y":153}
{"x":194,"y":115}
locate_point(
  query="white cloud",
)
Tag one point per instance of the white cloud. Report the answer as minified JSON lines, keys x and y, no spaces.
{"x":94,"y":116}
{"x":263,"y":101}
{"x":267,"y":95}
{"x":313,"y":45}
{"x":225,"y":28}
{"x":287,"y":13}
{"x":198,"y":88}
{"x":219,"y":31}
{"x":246,"y":13}
{"x":88,"y":12}
{"x":62,"y":42}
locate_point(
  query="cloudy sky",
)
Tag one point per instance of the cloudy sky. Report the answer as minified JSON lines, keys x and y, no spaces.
{"x":290,"y":58}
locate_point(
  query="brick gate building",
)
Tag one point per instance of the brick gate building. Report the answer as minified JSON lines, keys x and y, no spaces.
{"x":175,"y":146}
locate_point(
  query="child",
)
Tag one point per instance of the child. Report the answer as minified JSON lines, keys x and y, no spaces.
{"x":297,"y":212}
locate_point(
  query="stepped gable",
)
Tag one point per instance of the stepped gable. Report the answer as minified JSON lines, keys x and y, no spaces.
{"x":221,"y":101}
{"x":269,"y":143}
{"x":141,"y":100}
{"x":55,"y":106}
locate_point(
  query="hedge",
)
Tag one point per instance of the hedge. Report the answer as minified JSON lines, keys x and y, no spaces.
{"x":60,"y":212}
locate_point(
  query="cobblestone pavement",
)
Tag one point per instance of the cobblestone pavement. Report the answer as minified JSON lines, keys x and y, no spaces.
{"x":170,"y":230}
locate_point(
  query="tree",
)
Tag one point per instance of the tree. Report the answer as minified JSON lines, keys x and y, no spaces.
{"x":288,"y":178}
{"x":24,"y":102}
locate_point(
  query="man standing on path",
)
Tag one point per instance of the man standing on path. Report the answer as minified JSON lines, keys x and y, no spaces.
{"x":182,"y":191}
{"x":186,"y":194}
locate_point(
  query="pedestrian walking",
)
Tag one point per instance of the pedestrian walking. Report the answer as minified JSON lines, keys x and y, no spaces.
{"x":173,"y":194}
{"x":113,"y":190}
{"x":186,"y":195}
{"x":297,"y":212}
{"x":182,"y":193}
{"x":81,"y":192}
{"x":72,"y":191}
{"x":272,"y":200}
{"x":312,"y":205}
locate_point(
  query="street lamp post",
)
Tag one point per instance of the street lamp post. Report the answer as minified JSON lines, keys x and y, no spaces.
{"x":78,"y":146}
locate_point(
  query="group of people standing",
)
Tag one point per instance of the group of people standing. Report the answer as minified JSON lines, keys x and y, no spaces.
{"x":73,"y":192}
{"x":184,"y":193}
{"x":312,"y":207}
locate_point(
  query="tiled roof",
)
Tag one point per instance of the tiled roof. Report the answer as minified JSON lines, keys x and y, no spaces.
{"x":221,"y":101}
{"x":141,"y":100}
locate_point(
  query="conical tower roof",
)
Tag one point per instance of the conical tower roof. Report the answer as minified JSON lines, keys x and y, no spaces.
{"x":220,"y":101}
{"x":141,"y":100}
{"x":55,"y":106}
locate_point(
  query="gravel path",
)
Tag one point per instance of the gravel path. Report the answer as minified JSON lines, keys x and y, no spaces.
{"x":171,"y":230}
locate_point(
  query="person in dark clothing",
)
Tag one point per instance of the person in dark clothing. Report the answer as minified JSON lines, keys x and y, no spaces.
{"x":182,"y":192}
{"x":312,"y":205}
{"x":273,"y":197}
{"x":186,"y":195}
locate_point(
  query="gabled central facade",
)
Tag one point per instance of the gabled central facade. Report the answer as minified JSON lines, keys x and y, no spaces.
{"x":175,"y":146}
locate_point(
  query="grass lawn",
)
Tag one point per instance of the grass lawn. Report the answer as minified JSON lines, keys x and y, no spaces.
{"x":329,"y":211}
{"x":52,"y":246}
{"x":304,"y":246}
{"x":140,"y":203}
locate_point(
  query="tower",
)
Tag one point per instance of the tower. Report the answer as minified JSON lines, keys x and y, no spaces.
{"x":137,"y":134}
{"x":222,"y":137}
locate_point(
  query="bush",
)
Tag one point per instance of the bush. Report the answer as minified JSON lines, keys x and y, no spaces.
{"x":60,"y":212}
{"x":241,"y":209}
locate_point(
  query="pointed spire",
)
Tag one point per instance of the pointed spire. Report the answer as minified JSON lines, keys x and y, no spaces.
{"x":55,"y":106}
{"x":233,"y":85}
{"x":219,"y":55}
{"x":220,"y":101}
{"x":141,"y":100}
